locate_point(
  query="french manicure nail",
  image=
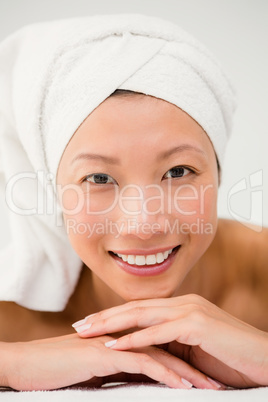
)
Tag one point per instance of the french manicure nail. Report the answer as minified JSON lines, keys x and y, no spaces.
{"x":187,"y":383}
{"x":213,"y":382}
{"x":110,"y":343}
{"x":82,"y":328}
{"x":80,"y":322}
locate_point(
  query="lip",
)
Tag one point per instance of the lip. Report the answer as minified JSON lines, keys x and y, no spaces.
{"x":146,"y":270}
{"x":144,"y":251}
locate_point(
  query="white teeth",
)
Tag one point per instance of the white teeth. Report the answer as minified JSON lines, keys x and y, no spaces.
{"x":150,"y":259}
{"x":159,"y":257}
{"x":131,"y":259}
{"x":140,"y":259}
{"x":145,"y":259}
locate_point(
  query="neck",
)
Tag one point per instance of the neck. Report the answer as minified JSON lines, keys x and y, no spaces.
{"x":90,"y":296}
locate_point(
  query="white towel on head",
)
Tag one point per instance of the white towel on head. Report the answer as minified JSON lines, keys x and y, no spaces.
{"x":52,"y":75}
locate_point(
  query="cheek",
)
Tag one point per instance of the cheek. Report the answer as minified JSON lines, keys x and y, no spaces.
{"x":195,"y":213}
{"x":195,"y":202}
{"x":84,"y":224}
{"x":84,"y":230}
{"x":86,"y":199}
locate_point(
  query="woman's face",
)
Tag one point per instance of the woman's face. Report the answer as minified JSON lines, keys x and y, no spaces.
{"x":138,"y":186}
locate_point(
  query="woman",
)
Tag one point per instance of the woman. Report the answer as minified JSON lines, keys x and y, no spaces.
{"x":122,"y":133}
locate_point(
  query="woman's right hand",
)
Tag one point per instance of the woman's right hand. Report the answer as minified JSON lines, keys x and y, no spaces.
{"x":68,"y":360}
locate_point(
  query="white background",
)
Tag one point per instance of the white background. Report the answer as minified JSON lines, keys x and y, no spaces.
{"x":236,"y":31}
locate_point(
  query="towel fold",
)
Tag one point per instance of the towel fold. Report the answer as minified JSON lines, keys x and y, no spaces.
{"x":52,"y":76}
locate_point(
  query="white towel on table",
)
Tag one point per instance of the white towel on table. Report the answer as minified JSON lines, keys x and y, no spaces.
{"x":133,"y":393}
{"x":52,"y":75}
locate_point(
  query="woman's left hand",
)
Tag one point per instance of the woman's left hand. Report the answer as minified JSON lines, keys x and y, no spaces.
{"x":194,"y":330}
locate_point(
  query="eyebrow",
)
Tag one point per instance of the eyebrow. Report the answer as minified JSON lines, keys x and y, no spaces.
{"x":115,"y":161}
{"x":181,"y":148}
{"x":86,"y":156}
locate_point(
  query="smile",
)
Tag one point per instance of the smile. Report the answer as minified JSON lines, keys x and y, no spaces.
{"x":145,"y":259}
{"x":145,"y":264}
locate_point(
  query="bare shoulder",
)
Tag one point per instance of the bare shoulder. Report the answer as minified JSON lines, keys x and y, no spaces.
{"x":248,"y":245}
{"x":244,"y":265}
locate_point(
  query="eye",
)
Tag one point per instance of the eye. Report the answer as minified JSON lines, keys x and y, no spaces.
{"x":99,"y":178}
{"x":177,"y":171}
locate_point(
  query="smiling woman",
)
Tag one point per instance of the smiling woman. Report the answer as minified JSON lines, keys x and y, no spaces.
{"x":121,"y":141}
{"x":151,"y":173}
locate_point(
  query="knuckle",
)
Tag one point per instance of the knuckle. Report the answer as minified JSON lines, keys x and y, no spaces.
{"x":195,"y":299}
{"x":152,"y":333}
{"x":136,"y":315}
{"x":104,"y":323}
{"x":197,"y":314}
{"x":130,"y":339}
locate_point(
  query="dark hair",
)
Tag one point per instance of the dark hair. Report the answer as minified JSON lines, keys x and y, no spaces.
{"x":125,"y":93}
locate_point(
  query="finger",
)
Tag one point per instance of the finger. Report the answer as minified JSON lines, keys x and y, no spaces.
{"x":185,"y":324}
{"x":164,"y":302}
{"x":141,"y":363}
{"x":178,"y":330}
{"x":238,"y":354}
{"x":140,"y":317}
{"x":185,"y":370}
{"x":119,"y":309}
{"x":188,"y":303}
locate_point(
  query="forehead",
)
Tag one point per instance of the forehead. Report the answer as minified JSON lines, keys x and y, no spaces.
{"x":142,"y":119}
{"x":136,"y":131}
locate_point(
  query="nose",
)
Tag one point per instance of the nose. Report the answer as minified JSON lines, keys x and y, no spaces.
{"x":142,"y":211}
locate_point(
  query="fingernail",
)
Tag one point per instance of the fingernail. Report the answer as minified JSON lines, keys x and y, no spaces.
{"x":213,"y":382}
{"x":110,"y":343}
{"x":187,"y":383}
{"x":80,"y":322}
{"x":82,"y":328}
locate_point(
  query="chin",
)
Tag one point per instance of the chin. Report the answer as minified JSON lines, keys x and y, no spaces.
{"x":150,"y":294}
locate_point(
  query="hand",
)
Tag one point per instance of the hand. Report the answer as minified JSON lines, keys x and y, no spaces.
{"x":63,"y":361}
{"x":196,"y":331}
